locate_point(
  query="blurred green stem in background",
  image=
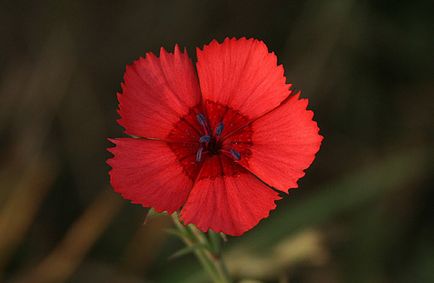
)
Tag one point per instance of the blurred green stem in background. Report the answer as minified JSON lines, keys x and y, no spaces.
{"x":206,"y":249}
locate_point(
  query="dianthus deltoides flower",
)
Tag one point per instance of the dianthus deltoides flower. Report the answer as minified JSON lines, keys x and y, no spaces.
{"x":218,"y":141}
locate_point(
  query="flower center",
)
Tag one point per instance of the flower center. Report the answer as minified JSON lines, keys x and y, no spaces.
{"x":210,"y":142}
{"x":214,"y":146}
{"x":196,"y":138}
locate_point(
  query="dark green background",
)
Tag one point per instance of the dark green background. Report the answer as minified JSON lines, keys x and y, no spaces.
{"x":367,"y":201}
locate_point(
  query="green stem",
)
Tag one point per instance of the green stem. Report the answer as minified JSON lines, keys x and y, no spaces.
{"x":209,"y":257}
{"x":199,"y":254}
{"x":214,"y":253}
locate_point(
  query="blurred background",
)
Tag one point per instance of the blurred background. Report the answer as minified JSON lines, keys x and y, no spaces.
{"x":364,"y":211}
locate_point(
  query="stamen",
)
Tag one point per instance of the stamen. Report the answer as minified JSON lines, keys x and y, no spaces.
{"x":235,"y":154}
{"x":199,"y":154}
{"x":219,"y":129}
{"x":204,"y":139}
{"x":202,"y":121}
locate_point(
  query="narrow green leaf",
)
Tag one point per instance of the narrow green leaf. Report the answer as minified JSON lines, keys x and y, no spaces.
{"x":187,"y":250}
{"x":152,"y":213}
{"x":177,"y":233}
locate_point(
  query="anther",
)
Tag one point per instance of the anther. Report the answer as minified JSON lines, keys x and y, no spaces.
{"x":204,"y":139}
{"x":199,"y":154}
{"x":201,"y":119}
{"x":219,"y":129}
{"x":235,"y":154}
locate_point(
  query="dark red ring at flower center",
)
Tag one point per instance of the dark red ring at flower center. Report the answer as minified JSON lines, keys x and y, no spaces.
{"x":195,"y":138}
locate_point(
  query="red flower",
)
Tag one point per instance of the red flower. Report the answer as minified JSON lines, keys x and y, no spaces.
{"x":216,"y":144}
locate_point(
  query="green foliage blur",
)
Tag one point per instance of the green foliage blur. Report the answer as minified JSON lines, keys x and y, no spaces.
{"x":363,"y":213}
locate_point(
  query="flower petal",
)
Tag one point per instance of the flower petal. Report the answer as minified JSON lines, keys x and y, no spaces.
{"x":226,"y":198}
{"x":147,"y":172}
{"x":283,"y":144}
{"x":157,"y":92}
{"x":242,"y":75}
